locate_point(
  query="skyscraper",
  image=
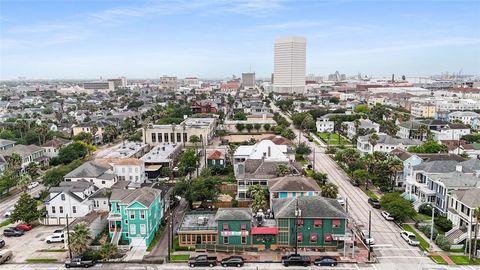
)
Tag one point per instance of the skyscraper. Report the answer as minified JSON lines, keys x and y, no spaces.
{"x":248,"y":79}
{"x":289,"y":66}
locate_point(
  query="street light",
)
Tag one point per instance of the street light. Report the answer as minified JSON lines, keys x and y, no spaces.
{"x":430,"y":244}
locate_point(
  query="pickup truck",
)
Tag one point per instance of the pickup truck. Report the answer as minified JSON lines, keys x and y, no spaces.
{"x":79,"y":262}
{"x":202,"y":260}
{"x":296,"y":259}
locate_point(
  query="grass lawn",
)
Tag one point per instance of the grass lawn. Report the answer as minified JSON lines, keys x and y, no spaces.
{"x":41,"y":260}
{"x":179,"y":258}
{"x":333,"y":138}
{"x":422,"y":217}
{"x":423,"y":243}
{"x":369,"y":193}
{"x":438,"y":259}
{"x":5,"y":223}
{"x":463,"y":260}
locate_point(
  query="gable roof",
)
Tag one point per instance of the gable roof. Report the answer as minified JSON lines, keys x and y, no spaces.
{"x":311,"y":207}
{"x":89,"y":169}
{"x":470,"y":197}
{"x":215,"y":154}
{"x":293,"y":183}
{"x":233,"y":214}
{"x":457,"y":180}
{"x":143,"y":195}
{"x":55,"y":142}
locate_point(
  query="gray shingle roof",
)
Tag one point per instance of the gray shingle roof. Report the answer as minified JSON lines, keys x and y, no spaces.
{"x":311,"y":207}
{"x":293,"y":183}
{"x":234,"y":214}
{"x":437,"y":166}
{"x":470,"y":197}
{"x":144,"y":195}
{"x":22,"y":150}
{"x":457,"y":180}
{"x":471,"y":165}
{"x":389,"y":140}
{"x":89,"y":169}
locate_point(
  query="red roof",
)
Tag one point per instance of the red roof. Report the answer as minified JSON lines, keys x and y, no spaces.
{"x":215,"y":155}
{"x":264,"y":230}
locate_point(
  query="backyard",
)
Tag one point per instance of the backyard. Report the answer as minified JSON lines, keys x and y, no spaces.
{"x":332,"y":138}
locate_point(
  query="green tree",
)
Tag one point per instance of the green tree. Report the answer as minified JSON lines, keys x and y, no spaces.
{"x":25,"y":209}
{"x":320,"y":178}
{"x":23,"y":181}
{"x":397,"y":206}
{"x":282,"y":170}
{"x":239,"y":116}
{"x":203,"y":188}
{"x":239,"y":127}
{"x":476,"y":215}
{"x":80,"y":238}
{"x":303,"y":149}
{"x":362,"y":108}
{"x":257,"y":126}
{"x":259,"y":196}
{"x":249,"y":127}
{"x":8,"y":179}
{"x":267,"y":127}
{"x":32,"y":169}
{"x":83,"y":136}
{"x":187,"y":162}
{"x":72,"y":152}
{"x":289,"y":134}
{"x":361,"y":175}
{"x":429,"y":146}
{"x":329,"y":190}
{"x":14,"y":162}
{"x":108,"y":251}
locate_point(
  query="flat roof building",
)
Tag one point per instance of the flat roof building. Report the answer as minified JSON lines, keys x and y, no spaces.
{"x":289,"y":65}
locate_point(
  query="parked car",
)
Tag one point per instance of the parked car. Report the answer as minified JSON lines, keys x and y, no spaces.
{"x":340,"y":200}
{"x":79,"y":262}
{"x":5,"y":255}
{"x":232,"y":261}
{"x":34,"y":184}
{"x":355,"y":183}
{"x":24,"y":227}
{"x":57,"y":232}
{"x":325,"y":261}
{"x":8,"y":213}
{"x":2,"y":243}
{"x":202,"y":260}
{"x":296,"y":259}
{"x":374,"y":203}
{"x":37,"y":196}
{"x":366,"y":238}
{"x":12,"y":231}
{"x":387,"y":216}
{"x":410,"y":238}
{"x":55,"y":238}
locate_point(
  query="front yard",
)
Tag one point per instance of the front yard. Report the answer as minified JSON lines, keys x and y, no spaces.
{"x":333,"y":138}
{"x":463,"y":260}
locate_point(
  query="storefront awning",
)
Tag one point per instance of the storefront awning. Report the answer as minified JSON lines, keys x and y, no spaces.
{"x":264,"y":230}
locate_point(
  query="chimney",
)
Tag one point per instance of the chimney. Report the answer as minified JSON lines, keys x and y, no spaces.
{"x":458,"y":168}
{"x":269,"y":151}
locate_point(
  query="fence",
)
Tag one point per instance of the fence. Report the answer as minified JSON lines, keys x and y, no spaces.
{"x":228,"y":188}
{"x":226,"y":248}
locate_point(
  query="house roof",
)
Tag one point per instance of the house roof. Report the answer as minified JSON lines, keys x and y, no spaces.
{"x":120,"y":161}
{"x":457,"y":180}
{"x":279,"y":140}
{"x":55,"y":142}
{"x":470,"y":197}
{"x":454,"y":144}
{"x":143,"y":195}
{"x":471,"y":165}
{"x":89,"y":169}
{"x":455,"y":126}
{"x":22,"y":150}
{"x":4,"y":142}
{"x":234,"y":214}
{"x":389,"y":140}
{"x":437,"y":166}
{"x":293,"y":183}
{"x":215,"y":154}
{"x":311,"y":207}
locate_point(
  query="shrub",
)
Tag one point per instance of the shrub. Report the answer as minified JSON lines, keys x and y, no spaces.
{"x":443,"y":223}
{"x":426,"y":230}
{"x":425,"y":209}
{"x":442,"y":242}
{"x":234,"y":203}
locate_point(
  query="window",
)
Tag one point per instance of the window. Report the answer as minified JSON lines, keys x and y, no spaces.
{"x":159,"y":135}
{"x":225,"y":226}
{"x":103,"y":182}
{"x":243,"y":227}
{"x":143,"y":229}
{"x":63,"y":197}
{"x":53,"y":209}
{"x":300,"y":222}
{"x":185,"y":137}
{"x":244,"y":240}
{"x":142,"y":214}
{"x":60,"y":209}
{"x":136,"y":178}
{"x":126,"y":234}
{"x":299,"y":238}
{"x":132,"y":214}
{"x":130,"y":170}
{"x":313,"y":238}
{"x":165,"y":137}
{"x":179,"y":137}
{"x":154,"y":137}
{"x":317,"y":223}
{"x":336,"y":223}
{"x":225,"y":240}
{"x":126,"y":221}
{"x":172,"y":137}
{"x":133,"y":229}
{"x":74,"y":209}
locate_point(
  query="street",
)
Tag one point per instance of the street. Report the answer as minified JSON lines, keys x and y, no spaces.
{"x":12,"y":200}
{"x":389,"y":247}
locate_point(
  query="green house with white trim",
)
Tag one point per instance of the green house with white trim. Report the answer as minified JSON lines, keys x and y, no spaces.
{"x":135,"y":215}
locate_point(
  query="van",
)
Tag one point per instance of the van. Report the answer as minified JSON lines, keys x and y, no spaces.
{"x":5,"y":255}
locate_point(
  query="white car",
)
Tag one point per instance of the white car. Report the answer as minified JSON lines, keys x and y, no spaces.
{"x":410,"y":238}
{"x":366,"y":237}
{"x":340,"y":200}
{"x":387,"y":216}
{"x":33,"y":185}
{"x":8,"y":213}
{"x":55,"y":238}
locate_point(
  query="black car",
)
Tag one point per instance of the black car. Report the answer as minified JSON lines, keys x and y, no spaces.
{"x":325,"y":261}
{"x":296,"y":259}
{"x":79,"y":262}
{"x":2,"y":243}
{"x":374,"y":203}
{"x":12,"y":232}
{"x":355,"y":183}
{"x":232,"y":261}
{"x":202,"y":260}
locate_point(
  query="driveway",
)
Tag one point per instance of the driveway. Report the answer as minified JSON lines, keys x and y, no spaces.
{"x":32,"y":245}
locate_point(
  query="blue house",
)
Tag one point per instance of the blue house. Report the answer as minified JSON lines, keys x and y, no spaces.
{"x":292,"y":186}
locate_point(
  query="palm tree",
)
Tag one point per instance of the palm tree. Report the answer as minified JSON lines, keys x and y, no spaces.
{"x":395,"y":166}
{"x":22,"y":125}
{"x":329,"y":190}
{"x":14,"y":162}
{"x":282,"y":170}
{"x":93,"y":130}
{"x":41,"y":131}
{"x":476,"y":214}
{"x":80,"y":238}
{"x":32,"y":169}
{"x":23,"y":181}
{"x":373,"y":140}
{"x":257,"y":193}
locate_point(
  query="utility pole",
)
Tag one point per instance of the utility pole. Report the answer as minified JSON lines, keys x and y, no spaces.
{"x":297,"y":215}
{"x":470,"y":238}
{"x":172,"y":227}
{"x":431,"y":230}
{"x":346,"y":205}
{"x":313,"y":164}
{"x":369,"y":233}
{"x":68,"y":239}
{"x":168,"y":257}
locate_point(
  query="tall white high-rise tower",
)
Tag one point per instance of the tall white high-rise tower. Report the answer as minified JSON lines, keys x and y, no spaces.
{"x":289,"y":70}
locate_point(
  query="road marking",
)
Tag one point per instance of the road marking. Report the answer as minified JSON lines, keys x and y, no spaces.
{"x":400,"y":257}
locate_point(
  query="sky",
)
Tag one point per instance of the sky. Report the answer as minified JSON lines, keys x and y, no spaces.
{"x":82,"y":39}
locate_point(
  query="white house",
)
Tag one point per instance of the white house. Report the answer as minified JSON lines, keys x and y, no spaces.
{"x":325,"y":125}
{"x":467,"y":118}
{"x":451,"y":132}
{"x":363,"y":123}
{"x":69,"y":198}
{"x":461,"y":206}
{"x":99,"y":173}
{"x":384,"y":143}
{"x":53,"y":146}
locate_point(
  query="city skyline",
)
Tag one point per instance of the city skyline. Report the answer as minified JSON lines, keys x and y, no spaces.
{"x":215,"y":39}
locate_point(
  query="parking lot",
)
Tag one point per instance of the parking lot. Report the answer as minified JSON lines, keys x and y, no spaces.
{"x":32,"y":245}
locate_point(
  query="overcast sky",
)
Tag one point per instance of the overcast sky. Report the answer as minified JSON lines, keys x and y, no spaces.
{"x":216,"y":39}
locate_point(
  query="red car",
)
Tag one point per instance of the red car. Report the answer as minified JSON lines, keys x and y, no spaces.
{"x":24,"y":227}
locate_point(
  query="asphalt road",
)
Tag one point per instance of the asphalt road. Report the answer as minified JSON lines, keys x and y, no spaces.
{"x":12,"y":200}
{"x":389,"y":248}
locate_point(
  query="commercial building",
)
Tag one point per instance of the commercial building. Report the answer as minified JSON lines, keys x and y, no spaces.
{"x":168,"y":82}
{"x":102,"y":86}
{"x":248,"y":80}
{"x":161,"y":156}
{"x":423,"y":110}
{"x":289,"y":65}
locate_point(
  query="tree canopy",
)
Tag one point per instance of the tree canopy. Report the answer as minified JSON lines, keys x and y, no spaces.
{"x":25,"y":209}
{"x":397,"y":206}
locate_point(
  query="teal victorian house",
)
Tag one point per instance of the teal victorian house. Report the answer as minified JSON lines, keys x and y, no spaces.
{"x":135,"y":215}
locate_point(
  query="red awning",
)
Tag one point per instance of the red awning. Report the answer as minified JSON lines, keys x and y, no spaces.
{"x":317,"y":222}
{"x":328,"y":237}
{"x":225,"y":226}
{"x":336,"y":222}
{"x":299,"y":237}
{"x":313,"y":237}
{"x":264,"y":230}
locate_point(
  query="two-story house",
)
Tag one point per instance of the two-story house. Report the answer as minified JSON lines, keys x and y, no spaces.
{"x":466,"y":117}
{"x":28,"y":153}
{"x":53,"y":146}
{"x":325,"y":125}
{"x":362,"y":124}
{"x":292,"y":186}
{"x":100,"y":174}
{"x":216,"y":157}
{"x":127,"y":169}
{"x":451,"y":132}
{"x":384,"y":143}
{"x":461,"y":208}
{"x":5,"y":144}
{"x":135,"y":215}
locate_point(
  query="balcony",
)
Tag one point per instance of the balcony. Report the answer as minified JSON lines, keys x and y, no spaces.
{"x":114,"y":217}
